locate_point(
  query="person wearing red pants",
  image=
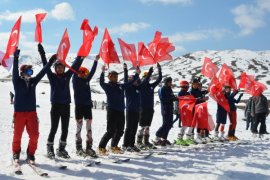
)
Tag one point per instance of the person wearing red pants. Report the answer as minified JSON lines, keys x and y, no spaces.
{"x":232,"y":114}
{"x":25,"y":106}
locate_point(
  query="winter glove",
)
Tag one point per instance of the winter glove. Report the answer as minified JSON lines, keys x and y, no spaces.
{"x":16,"y":53}
{"x":53,"y":58}
{"x":158,"y":66}
{"x":150,"y":70}
{"x":125,"y":66}
{"x":41,"y":49}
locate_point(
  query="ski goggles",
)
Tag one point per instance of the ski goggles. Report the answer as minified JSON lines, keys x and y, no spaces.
{"x":29,"y":72}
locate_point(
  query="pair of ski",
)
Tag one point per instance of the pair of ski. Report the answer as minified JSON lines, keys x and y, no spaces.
{"x":34,"y":167}
{"x":146,"y":155}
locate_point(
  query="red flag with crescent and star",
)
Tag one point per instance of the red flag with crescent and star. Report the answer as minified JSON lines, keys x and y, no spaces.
{"x":200,"y":118}
{"x":209,"y":69}
{"x":63,"y":49}
{"x":88,"y":38}
{"x":128,"y":52}
{"x":215,"y":91}
{"x":107,"y":50}
{"x":160,"y":48}
{"x":226,"y":77}
{"x":38,"y":31}
{"x":144,"y":55}
{"x":186,"y":105}
{"x":13,"y":41}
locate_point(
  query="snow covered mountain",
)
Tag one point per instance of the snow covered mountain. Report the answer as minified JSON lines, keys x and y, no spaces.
{"x":184,"y":67}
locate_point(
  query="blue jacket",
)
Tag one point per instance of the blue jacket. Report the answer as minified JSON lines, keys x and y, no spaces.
{"x":60,"y":91}
{"x":81,"y":86}
{"x":147,"y":93}
{"x":166,"y":97}
{"x":115,"y":92}
{"x":183,"y":93}
{"x":232,"y":101}
{"x":197,"y":93}
{"x":221,"y":112}
{"x":25,"y":90}
{"x":133,"y":93}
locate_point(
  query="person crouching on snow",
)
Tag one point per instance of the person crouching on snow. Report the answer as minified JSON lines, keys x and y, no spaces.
{"x":83,"y":108}
{"x":115,"y":111}
{"x":167,"y":98}
{"x":25,"y":114}
{"x":60,"y":100}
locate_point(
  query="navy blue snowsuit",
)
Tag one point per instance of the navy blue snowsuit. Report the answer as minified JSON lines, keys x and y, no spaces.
{"x":115,"y":111}
{"x":60,"y":98}
{"x":166,"y":97}
{"x":132,"y":110}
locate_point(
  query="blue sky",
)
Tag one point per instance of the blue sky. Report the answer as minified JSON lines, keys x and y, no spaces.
{"x":191,"y":25}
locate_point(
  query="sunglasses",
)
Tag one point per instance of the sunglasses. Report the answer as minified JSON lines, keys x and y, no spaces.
{"x":29,"y":72}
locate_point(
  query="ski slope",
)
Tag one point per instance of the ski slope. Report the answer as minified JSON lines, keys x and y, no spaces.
{"x":231,"y":161}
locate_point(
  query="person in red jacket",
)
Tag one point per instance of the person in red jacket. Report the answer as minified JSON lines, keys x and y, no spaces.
{"x":25,"y":114}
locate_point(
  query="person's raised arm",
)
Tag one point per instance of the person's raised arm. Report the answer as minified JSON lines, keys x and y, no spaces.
{"x":45,"y":69}
{"x":102,"y":79}
{"x":154,"y":84}
{"x":147,"y":78}
{"x":94,"y":67}
{"x":75,"y":65}
{"x":43,"y":58}
{"x":125,"y":73}
{"x":15,"y":71}
{"x":135,"y":78}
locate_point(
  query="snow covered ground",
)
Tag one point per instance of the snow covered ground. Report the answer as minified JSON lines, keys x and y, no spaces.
{"x":230,"y":161}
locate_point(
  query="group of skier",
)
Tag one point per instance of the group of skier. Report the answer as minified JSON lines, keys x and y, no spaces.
{"x":139,"y":95}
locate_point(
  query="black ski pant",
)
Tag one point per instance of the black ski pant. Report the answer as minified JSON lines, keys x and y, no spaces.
{"x":167,"y":118}
{"x":59,"y":111}
{"x":259,"y":119}
{"x":115,"y":128}
{"x":132,"y":120}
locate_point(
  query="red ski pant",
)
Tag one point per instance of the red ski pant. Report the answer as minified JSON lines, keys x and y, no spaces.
{"x":30,"y":121}
{"x":232,"y":117}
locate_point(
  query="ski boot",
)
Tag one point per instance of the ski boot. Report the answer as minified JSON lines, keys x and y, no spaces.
{"x":30,"y":158}
{"x":90,"y":152}
{"x":79,"y":149}
{"x":61,"y":151}
{"x":116,"y":150}
{"x":139,"y":141}
{"x":50,"y":150}
{"x":102,"y":151}
{"x":147,"y":144}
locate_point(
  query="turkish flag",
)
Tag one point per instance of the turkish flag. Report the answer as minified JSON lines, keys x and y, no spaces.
{"x":153,"y":45}
{"x":163,"y":52}
{"x":257,"y":88}
{"x":246,"y":81}
{"x":250,"y":85}
{"x":13,"y":41}
{"x":144,"y":55}
{"x":9,"y":61}
{"x":38,"y":32}
{"x":215,"y":90}
{"x":226,"y":76}
{"x":63,"y":47}
{"x":88,"y":38}
{"x":128,"y":52}
{"x":107,"y":51}
{"x":200,"y":118}
{"x":161,"y":48}
{"x":209,"y":69}
{"x":186,"y":105}
{"x":63,"y":51}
